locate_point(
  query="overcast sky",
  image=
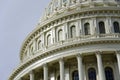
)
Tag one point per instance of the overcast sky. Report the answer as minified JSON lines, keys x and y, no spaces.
{"x":17,"y":19}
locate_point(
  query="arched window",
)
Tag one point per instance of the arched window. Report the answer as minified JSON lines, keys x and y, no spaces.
{"x":60,"y":35}
{"x":116,"y":27}
{"x":87,"y":28}
{"x":72,"y":31}
{"x":49,"y":39}
{"x":39,"y":44}
{"x":102,"y":28}
{"x":75,"y":75}
{"x":109,"y":73}
{"x":91,"y":74}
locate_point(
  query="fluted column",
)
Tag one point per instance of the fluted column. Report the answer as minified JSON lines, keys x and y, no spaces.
{"x":62,"y":72}
{"x":118,"y":59}
{"x":80,"y":67}
{"x":31,"y":75}
{"x":45,"y":70}
{"x":101,"y":72}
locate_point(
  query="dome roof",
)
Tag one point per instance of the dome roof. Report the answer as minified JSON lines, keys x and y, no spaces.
{"x":59,"y":11}
{"x":68,"y":29}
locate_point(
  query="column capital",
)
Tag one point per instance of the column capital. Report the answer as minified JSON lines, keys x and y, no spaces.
{"x":31,"y":72}
{"x":61,"y":59}
{"x":98,"y":52}
{"x":117,"y":51}
{"x":45,"y":64}
{"x":78,"y":55}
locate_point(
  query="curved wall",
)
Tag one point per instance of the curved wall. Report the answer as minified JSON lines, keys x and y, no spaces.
{"x":73,"y":36}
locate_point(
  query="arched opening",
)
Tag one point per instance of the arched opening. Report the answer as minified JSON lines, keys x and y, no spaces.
{"x":39,"y":44}
{"x":72,"y":31}
{"x":109,"y":73}
{"x":75,"y":75}
{"x":49,"y":39}
{"x":60,"y":35}
{"x":116,"y":27}
{"x":91,"y":74}
{"x":87,"y":28}
{"x":102,"y":28}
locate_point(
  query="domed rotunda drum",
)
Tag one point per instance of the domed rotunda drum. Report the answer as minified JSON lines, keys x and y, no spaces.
{"x":74,"y":40}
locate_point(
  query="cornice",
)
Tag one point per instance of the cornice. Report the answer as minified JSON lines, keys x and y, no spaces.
{"x":49,"y":52}
{"x":79,"y":13}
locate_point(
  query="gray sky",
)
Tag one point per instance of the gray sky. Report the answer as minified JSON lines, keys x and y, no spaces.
{"x":17,"y":19}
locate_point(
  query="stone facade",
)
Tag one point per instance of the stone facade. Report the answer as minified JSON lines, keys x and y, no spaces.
{"x":74,"y":40}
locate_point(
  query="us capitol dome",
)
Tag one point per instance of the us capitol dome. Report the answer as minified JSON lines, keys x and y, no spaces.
{"x":74,"y":40}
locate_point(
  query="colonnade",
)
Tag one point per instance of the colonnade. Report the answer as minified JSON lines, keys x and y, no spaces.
{"x":101,"y":73}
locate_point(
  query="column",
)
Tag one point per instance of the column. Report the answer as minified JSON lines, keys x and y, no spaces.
{"x":60,"y":4}
{"x":101,"y":72}
{"x":118,"y":59}
{"x":68,"y":3}
{"x":62,"y":72}
{"x":45,"y":70}
{"x":31,"y":75}
{"x":80,"y":67}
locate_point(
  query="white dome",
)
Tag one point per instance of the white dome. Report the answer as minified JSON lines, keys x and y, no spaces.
{"x":75,"y":40}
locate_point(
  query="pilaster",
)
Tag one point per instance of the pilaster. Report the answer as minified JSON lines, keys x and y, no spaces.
{"x":118,"y":59}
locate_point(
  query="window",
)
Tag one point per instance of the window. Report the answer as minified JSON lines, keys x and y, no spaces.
{"x":49,"y":39}
{"x":116,"y":27}
{"x":75,"y":75}
{"x":39,"y":44}
{"x":60,"y":36}
{"x":72,"y":31}
{"x":109,"y":73}
{"x":87,"y":28}
{"x":91,"y":74}
{"x":101,"y":28}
